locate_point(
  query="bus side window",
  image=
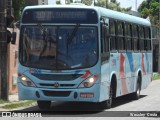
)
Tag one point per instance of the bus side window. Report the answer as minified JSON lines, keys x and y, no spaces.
{"x":128,"y":36}
{"x":104,"y":41}
{"x":104,"y":38}
{"x":112,"y":33}
{"x":120,"y":36}
{"x":141,"y":38}
{"x":147,"y":40}
{"x":135,"y":43}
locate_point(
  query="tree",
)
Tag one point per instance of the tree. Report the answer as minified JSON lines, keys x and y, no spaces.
{"x":150,"y":8}
{"x":101,"y":3}
{"x":18,"y":6}
{"x":113,"y":5}
{"x":87,"y":2}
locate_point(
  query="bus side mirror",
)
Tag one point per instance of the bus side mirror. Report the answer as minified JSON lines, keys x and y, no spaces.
{"x":13,"y":40}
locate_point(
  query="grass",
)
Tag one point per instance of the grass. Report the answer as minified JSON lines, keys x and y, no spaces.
{"x":17,"y":105}
{"x":156,"y":77}
{"x":3,"y":101}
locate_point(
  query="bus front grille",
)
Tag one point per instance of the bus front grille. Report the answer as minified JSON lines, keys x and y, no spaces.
{"x":57,"y":77}
{"x":56,"y":93}
{"x":60,"y":85}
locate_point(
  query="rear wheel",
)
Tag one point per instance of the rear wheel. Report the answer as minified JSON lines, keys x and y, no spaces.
{"x":44,"y":104}
{"x":136,"y":95}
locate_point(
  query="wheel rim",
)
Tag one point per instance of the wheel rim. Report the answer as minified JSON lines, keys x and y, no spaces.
{"x":138,"y":91}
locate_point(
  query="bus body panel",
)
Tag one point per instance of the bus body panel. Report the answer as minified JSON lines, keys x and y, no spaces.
{"x":127,"y":67}
{"x":48,"y":85}
{"x":29,"y":93}
{"x":146,"y":69}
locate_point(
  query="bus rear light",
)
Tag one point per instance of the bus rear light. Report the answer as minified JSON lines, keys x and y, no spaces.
{"x":25,"y":80}
{"x":86,"y":95}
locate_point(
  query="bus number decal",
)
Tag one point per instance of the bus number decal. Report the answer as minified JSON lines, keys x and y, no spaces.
{"x":33,"y":70}
{"x":113,"y":62}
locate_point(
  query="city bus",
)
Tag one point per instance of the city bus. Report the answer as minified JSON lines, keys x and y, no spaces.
{"x":82,"y":53}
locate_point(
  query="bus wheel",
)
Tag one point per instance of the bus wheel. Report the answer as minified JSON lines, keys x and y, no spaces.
{"x":108,"y":103}
{"x":44,"y":104}
{"x":136,"y":95}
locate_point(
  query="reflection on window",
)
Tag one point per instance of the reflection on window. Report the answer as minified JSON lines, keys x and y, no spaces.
{"x":62,"y":47}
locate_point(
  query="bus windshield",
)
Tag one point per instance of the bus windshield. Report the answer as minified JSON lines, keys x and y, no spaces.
{"x":58,"y":47}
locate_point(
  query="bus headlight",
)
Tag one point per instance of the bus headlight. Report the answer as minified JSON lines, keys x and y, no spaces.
{"x":26,"y":81}
{"x":89,"y":82}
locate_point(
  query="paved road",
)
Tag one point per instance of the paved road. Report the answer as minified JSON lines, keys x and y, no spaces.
{"x":122,"y":106}
{"x":149,"y":101}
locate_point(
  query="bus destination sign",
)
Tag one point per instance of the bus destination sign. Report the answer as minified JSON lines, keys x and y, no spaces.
{"x":60,"y":16}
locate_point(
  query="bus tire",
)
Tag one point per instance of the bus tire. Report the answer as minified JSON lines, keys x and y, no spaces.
{"x":44,"y":104}
{"x":107,"y":104}
{"x":136,"y":95}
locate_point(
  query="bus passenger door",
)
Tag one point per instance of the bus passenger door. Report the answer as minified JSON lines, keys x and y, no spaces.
{"x":105,"y":57}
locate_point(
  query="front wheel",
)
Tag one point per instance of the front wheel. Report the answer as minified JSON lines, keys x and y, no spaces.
{"x":44,"y":104}
{"x":108,"y":103}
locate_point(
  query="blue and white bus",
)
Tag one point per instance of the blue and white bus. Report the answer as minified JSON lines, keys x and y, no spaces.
{"x":82,"y":53}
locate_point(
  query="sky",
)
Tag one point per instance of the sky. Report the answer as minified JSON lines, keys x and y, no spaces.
{"x":123,"y":3}
{"x":130,"y":3}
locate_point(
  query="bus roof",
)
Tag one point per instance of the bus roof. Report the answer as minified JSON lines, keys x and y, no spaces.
{"x":101,"y":11}
{"x":123,"y":16}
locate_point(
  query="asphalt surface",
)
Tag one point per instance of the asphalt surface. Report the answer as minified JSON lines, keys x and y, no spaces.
{"x":146,"y":108}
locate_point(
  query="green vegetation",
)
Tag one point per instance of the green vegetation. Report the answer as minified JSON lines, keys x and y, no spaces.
{"x":21,"y":104}
{"x":156,"y":77}
{"x":113,"y":5}
{"x":150,"y":8}
{"x":3,"y":101}
{"x":18,"y":6}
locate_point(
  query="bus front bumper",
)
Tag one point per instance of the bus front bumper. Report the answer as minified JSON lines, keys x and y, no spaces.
{"x":79,"y":94}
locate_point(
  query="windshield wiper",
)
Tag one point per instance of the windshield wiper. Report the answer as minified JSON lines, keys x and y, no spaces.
{"x":70,"y":37}
{"x":42,"y":28}
{"x":45,"y":33}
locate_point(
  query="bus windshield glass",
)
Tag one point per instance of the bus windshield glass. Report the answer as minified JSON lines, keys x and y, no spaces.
{"x":58,"y":47}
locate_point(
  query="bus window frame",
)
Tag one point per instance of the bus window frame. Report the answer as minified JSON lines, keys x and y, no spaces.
{"x":135,"y":27}
{"x":121,"y":36}
{"x":141,"y":38}
{"x":147,"y":39}
{"x":105,"y":46}
{"x":134,"y":37}
{"x":129,"y":36}
{"x":113,"y":36}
